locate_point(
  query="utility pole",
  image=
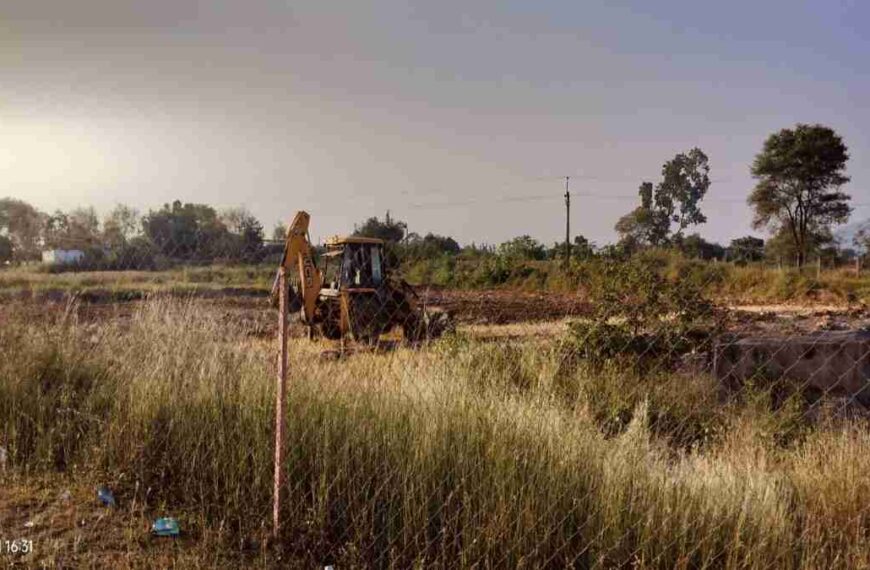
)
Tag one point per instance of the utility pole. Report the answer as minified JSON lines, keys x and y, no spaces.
{"x":567,"y":223}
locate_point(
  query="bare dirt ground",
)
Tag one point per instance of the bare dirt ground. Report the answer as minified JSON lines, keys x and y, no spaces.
{"x":794,"y":320}
{"x":501,"y":306}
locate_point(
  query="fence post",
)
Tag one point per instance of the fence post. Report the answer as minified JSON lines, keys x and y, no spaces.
{"x":280,"y":396}
{"x":819,"y":267}
{"x":857,"y":266}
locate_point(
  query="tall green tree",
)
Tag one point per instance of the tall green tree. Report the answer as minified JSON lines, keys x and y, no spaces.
{"x":800,"y":172}
{"x":645,"y":225}
{"x":685,"y":181}
{"x":674,"y":200}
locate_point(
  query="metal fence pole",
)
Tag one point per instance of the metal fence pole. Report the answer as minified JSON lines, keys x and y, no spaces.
{"x":280,"y":396}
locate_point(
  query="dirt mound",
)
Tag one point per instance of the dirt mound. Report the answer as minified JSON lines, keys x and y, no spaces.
{"x":497,"y":306}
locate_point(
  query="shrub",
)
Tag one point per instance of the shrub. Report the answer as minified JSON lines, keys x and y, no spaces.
{"x":640,"y":315}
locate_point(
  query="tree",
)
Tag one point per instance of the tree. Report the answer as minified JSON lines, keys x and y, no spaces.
{"x":428,"y":247}
{"x":279,"y":232}
{"x":83,"y":230}
{"x":389,"y":230}
{"x":746,"y":249}
{"x":800,"y":172}
{"x":522,"y":248}
{"x":861,"y":239}
{"x":685,"y":181}
{"x":646,"y":224}
{"x":5,"y":250}
{"x":583,"y":248}
{"x":781,"y":246}
{"x":55,"y":230}
{"x":674,"y":200}
{"x":245,"y":241}
{"x":22,"y":224}
{"x":235,"y":218}
{"x":186,"y":231}
{"x":251,"y":234}
{"x":694,"y":246}
{"x":121,"y":225}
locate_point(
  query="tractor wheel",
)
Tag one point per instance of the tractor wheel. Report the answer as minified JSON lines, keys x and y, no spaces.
{"x":331,"y":329}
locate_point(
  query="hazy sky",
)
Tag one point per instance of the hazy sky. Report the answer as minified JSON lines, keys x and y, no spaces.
{"x":456,"y":116}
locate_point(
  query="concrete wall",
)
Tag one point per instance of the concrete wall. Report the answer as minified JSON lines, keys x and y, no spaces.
{"x":830,"y":363}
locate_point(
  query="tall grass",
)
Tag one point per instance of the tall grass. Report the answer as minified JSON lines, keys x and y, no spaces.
{"x":460,"y":454}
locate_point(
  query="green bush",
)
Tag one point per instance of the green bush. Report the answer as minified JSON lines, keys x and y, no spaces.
{"x":642,"y":317}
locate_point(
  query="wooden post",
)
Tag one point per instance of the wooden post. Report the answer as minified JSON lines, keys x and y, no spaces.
{"x":857,"y":266}
{"x":280,"y":396}
{"x":819,"y":267}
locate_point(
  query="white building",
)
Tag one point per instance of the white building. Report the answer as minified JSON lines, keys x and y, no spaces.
{"x":62,"y":256}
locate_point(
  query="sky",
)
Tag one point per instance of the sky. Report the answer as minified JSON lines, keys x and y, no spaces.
{"x":461,"y":118}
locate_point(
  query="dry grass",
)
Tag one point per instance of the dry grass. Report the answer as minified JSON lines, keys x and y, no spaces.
{"x":37,"y":281}
{"x":463,"y":453}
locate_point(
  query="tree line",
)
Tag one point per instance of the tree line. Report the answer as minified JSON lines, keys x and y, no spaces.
{"x":126,"y":239}
{"x":797,"y":198}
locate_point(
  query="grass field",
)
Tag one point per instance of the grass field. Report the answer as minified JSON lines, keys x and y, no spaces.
{"x":463,"y":453}
{"x":119,"y":285}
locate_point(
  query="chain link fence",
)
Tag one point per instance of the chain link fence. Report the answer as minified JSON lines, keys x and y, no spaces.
{"x":637,"y":418}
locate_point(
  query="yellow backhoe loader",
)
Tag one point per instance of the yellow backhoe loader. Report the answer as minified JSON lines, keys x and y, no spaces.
{"x":352,"y":295}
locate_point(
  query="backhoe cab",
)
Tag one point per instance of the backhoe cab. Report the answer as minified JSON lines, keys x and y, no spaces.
{"x":351,"y":294}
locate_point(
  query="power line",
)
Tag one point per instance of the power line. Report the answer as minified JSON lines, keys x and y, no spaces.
{"x":545,"y":197}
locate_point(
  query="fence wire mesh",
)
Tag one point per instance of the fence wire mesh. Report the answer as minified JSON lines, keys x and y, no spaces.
{"x":638,"y":414}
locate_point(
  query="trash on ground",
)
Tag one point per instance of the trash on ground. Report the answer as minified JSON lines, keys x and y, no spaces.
{"x":30,"y":524}
{"x":105,"y":496}
{"x":65,"y":496}
{"x":166,"y":526}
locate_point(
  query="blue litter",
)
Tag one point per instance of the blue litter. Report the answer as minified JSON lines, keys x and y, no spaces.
{"x":165,"y":527}
{"x":106,"y":497}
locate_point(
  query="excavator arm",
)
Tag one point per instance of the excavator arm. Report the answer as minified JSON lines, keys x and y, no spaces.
{"x":298,"y":254}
